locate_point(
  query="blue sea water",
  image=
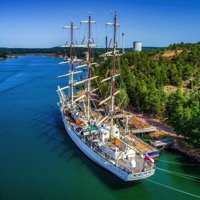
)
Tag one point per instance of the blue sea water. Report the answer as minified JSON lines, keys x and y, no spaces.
{"x":39,"y":161}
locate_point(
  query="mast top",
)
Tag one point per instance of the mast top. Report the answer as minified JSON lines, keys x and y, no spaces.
{"x":89,"y":20}
{"x":71,"y":26}
{"x":113,"y":23}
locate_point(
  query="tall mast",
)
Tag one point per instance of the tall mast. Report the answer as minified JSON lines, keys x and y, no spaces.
{"x":89,"y":60}
{"x":71,"y":81}
{"x":72,"y":64}
{"x":114,"y":24}
{"x":88,"y":64}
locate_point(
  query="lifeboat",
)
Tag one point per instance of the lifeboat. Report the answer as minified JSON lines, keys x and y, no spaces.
{"x":116,"y":141}
{"x":80,"y":123}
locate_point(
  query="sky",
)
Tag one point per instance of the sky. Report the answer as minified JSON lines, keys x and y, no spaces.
{"x":156,"y":23}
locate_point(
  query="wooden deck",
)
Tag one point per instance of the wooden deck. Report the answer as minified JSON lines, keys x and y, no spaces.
{"x":141,"y":146}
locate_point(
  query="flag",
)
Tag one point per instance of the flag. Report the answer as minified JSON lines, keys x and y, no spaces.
{"x":148,"y":158}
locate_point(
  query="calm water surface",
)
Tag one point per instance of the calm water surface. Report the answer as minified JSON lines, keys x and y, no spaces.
{"x":39,"y":161}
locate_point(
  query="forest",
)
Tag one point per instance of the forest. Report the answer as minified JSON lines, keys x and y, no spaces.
{"x":164,"y":83}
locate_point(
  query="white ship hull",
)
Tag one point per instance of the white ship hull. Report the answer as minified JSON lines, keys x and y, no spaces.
{"x":98,"y":159}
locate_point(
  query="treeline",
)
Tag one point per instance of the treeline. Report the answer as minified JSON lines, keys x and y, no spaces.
{"x":2,"y":55}
{"x":145,"y":77}
{"x":56,"y":51}
{"x":10,"y":51}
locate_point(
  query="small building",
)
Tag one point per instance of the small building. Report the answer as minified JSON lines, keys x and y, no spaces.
{"x":137,"y":46}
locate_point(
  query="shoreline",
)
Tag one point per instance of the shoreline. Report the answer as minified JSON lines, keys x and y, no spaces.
{"x":165,"y":131}
{"x":185,"y":149}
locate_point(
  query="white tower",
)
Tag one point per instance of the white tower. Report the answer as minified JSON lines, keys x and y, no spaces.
{"x":137,"y":46}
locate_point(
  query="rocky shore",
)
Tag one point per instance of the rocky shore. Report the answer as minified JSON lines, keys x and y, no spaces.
{"x":184,"y":148}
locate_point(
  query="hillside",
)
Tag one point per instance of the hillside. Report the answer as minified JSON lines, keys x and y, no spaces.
{"x":163,"y":82}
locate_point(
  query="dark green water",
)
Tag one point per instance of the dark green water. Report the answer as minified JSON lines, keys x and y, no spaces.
{"x":39,"y":161}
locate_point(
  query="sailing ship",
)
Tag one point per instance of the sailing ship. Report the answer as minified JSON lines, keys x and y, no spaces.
{"x":95,"y":134}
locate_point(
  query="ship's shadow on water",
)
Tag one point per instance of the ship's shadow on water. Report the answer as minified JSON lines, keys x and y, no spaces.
{"x":107,"y":177}
{"x":59,"y":138}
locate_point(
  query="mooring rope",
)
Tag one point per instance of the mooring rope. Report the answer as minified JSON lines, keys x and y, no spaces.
{"x":166,"y":186}
{"x":176,"y":163}
{"x":193,"y":178}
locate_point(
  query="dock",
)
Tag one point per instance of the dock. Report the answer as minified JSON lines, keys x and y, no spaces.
{"x":144,"y":130}
{"x":144,"y":147}
{"x":162,"y":143}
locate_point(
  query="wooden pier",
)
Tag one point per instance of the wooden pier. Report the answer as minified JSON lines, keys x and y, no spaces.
{"x":144,"y":130}
{"x":162,"y":142}
{"x":144,"y":147}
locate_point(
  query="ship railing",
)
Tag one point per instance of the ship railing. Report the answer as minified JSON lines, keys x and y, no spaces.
{"x":126,"y":169}
{"x":129,"y":170}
